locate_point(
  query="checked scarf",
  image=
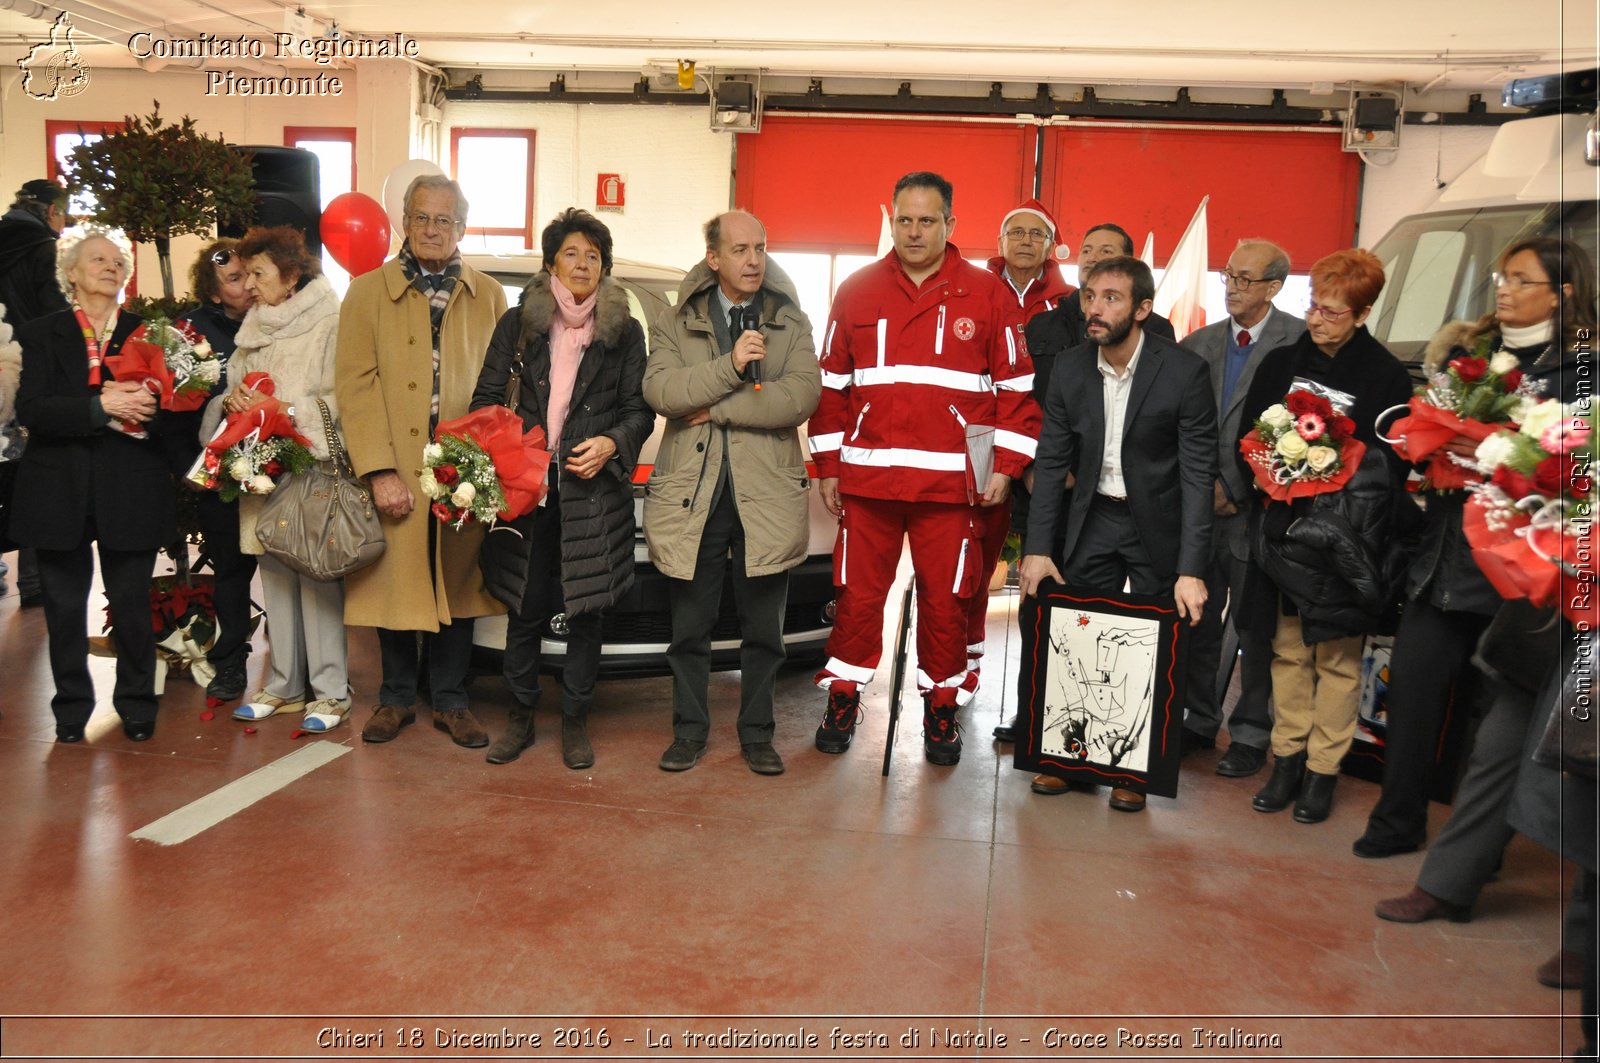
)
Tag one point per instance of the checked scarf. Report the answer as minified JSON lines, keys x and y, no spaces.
{"x":437,"y":288}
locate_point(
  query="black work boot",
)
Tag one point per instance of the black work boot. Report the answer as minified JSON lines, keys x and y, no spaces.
{"x":941,"y":734}
{"x":839,"y":721}
{"x":1282,"y":785}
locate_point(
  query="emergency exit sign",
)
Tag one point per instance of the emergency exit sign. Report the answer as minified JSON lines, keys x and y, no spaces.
{"x":610,"y":192}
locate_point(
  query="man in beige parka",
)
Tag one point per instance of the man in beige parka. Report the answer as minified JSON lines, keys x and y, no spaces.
{"x":412,"y":335}
{"x":730,"y":474}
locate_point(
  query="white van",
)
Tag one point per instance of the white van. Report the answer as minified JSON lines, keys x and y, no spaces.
{"x":638,"y":631}
{"x":1540,"y":177}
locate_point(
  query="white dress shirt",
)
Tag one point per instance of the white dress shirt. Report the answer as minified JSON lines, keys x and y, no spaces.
{"x":1116,"y":390}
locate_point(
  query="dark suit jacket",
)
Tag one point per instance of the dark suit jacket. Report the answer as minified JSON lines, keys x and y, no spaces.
{"x":1169,"y":454}
{"x":74,"y":466}
{"x":1211,"y":343}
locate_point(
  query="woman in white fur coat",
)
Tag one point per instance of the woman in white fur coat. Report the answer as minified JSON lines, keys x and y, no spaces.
{"x":290,"y":335}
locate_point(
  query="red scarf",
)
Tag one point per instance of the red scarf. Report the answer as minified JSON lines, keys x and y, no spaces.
{"x":93,"y":342}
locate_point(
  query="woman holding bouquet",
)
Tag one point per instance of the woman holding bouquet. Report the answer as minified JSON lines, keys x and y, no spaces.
{"x":1321,"y":565}
{"x":289,"y":335}
{"x":569,"y":359}
{"x":1449,"y":603}
{"x":94,"y":471}
{"x":1504,"y":787}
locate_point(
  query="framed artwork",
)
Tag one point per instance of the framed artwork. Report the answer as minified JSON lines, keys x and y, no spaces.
{"x":1103,"y":689}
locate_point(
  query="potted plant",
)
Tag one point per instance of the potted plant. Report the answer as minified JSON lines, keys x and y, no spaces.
{"x":155,"y":180}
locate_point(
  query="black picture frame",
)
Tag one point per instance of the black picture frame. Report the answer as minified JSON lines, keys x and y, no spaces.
{"x":1082,"y":721}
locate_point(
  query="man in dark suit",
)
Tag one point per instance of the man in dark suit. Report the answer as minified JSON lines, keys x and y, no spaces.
{"x":1130,"y":415}
{"x":1057,"y":330}
{"x":1232,"y":348}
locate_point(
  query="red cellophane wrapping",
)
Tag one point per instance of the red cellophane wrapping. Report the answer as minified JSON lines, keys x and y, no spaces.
{"x":1516,"y":570}
{"x":1425,"y":430}
{"x":1351,"y":451}
{"x":520,"y":458}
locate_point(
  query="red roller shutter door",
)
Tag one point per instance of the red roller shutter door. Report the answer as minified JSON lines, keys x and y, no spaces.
{"x":1295,"y":188}
{"x":817,"y":182}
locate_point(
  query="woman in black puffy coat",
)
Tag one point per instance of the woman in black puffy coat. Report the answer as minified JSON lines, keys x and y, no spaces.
{"x":1449,"y":603}
{"x":1325,"y":569}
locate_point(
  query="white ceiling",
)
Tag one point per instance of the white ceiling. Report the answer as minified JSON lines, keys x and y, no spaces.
{"x":1447,"y":45}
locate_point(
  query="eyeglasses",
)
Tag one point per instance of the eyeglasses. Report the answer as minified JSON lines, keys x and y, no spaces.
{"x":1032,"y":235}
{"x":224,"y":256}
{"x":1242,"y":283}
{"x":1516,"y":282}
{"x":1325,"y":313}
{"x":443,"y":221}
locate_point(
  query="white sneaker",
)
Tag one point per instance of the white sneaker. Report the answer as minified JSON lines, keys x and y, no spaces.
{"x":325,"y":714}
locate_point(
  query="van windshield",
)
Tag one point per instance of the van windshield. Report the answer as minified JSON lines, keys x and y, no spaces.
{"x":1438,"y":265}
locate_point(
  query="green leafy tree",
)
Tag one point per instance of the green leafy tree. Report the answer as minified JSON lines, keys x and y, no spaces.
{"x":155,"y":180}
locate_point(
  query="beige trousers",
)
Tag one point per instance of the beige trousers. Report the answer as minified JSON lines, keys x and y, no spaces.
{"x":1316,"y":691}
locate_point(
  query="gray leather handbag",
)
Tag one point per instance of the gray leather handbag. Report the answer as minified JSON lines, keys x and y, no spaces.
{"x":322,"y":523}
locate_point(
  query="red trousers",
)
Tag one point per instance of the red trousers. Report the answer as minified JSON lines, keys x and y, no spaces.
{"x":993,"y":523}
{"x":947,"y":565}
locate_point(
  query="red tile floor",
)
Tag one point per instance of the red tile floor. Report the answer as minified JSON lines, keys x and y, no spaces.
{"x":412,"y":886}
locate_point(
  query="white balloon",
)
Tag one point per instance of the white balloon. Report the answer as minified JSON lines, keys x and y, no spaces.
{"x":395,"y":185}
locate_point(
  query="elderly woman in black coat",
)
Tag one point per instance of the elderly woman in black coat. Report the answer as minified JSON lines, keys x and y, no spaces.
{"x":88,"y":476}
{"x":1328,"y":561}
{"x":570,"y":358}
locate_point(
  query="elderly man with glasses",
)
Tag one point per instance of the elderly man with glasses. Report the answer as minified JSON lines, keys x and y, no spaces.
{"x":412,"y":336}
{"x":1233,"y":348}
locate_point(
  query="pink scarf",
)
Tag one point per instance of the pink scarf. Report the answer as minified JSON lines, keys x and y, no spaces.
{"x":570,"y":332}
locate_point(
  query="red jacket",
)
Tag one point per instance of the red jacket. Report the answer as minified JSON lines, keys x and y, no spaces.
{"x":1043,"y":294}
{"x":904,"y":370}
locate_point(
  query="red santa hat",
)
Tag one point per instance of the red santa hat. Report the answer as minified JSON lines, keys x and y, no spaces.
{"x":1032,"y":206}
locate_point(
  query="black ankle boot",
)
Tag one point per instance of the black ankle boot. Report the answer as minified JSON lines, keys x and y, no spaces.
{"x":1316,"y":798}
{"x":1282,"y":786}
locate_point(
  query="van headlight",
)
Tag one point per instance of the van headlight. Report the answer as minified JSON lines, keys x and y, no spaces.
{"x":558,"y":626}
{"x":830,"y":611}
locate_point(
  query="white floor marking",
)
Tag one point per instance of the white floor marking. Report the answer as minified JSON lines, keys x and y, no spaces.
{"x":206,"y":812}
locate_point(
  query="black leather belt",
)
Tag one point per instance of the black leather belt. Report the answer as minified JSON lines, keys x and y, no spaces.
{"x":1115,"y":500}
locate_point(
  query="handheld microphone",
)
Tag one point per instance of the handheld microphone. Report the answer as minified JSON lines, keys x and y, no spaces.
{"x":748,"y":318}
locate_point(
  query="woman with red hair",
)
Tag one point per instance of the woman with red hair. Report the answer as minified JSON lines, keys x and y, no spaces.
{"x":1324,"y":568}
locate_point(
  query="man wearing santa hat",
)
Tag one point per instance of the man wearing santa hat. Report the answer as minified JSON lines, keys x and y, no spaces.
{"x":1030,"y":283}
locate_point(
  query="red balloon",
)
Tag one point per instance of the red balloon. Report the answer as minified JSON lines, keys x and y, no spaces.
{"x":355,"y":230}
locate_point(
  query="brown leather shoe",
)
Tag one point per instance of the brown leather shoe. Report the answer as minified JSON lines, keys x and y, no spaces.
{"x":463,"y":727}
{"x":1126,"y":800}
{"x":1564,"y":970}
{"x":386,"y":721}
{"x":1419,"y":906}
{"x":1048,"y":785}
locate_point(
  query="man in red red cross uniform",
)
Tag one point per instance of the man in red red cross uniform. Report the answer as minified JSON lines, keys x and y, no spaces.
{"x":918,"y":364}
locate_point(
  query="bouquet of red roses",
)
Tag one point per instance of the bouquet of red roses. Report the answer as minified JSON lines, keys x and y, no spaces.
{"x":483,"y":467}
{"x":1531,"y":524}
{"x":1473,"y":396}
{"x":173,"y":360}
{"x":1302,"y":447}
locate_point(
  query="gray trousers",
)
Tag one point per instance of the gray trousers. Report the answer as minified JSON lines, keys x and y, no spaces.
{"x":305,"y":627}
{"x":696,"y":604}
{"x":1465,"y":854}
{"x":1213,"y":646}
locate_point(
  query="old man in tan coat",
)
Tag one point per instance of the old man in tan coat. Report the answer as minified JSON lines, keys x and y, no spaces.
{"x":412,"y":335}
